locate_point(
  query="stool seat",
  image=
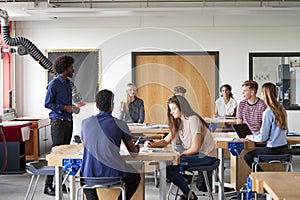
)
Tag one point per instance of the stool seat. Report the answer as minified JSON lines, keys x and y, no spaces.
{"x":37,"y":169}
{"x":274,"y":158}
{"x":205,"y":167}
{"x":101,"y":182}
{"x":285,"y":159}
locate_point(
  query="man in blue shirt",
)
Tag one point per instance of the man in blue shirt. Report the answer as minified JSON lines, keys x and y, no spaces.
{"x":101,"y":136}
{"x":59,"y":101}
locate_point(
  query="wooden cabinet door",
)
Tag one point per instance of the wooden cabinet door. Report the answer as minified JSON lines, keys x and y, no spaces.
{"x":156,"y":74}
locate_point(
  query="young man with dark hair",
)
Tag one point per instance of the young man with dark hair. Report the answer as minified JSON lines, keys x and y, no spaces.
{"x":101,"y":136}
{"x":250,"y":110}
{"x":59,"y":101}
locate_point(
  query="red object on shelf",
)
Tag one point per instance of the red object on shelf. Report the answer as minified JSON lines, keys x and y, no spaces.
{"x":13,"y":133}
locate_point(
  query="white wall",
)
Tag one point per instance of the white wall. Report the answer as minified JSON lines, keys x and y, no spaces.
{"x":234,"y":36}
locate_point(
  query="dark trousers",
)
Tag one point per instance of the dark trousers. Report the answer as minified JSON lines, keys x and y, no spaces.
{"x":131,"y":180}
{"x":249,"y":157}
{"x":61,"y":133}
{"x":174,"y":171}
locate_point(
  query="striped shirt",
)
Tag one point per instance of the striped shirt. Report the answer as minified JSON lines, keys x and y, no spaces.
{"x":251,"y":114}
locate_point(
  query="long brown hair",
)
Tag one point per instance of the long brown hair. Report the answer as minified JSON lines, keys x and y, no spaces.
{"x":270,"y":98}
{"x":184,"y":106}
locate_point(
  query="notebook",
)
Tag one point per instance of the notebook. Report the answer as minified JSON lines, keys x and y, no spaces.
{"x":242,"y":130}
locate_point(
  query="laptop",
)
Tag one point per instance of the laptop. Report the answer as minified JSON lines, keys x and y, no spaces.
{"x":242,"y":130}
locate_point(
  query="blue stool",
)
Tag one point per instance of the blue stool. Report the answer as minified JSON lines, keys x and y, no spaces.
{"x":101,"y":182}
{"x":37,"y":169}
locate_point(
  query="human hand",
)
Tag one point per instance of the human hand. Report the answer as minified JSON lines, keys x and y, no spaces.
{"x":248,"y":137}
{"x":148,"y":144}
{"x":69,"y":109}
{"x":137,"y":147}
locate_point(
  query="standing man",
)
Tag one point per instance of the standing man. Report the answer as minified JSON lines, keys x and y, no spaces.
{"x":101,"y":137}
{"x":59,"y":101}
{"x":250,"y":110}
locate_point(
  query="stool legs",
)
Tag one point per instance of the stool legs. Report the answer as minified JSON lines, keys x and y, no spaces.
{"x":77,"y":192}
{"x":34,"y":187}
{"x":170,"y":191}
{"x":208,"y":184}
{"x":123,"y":193}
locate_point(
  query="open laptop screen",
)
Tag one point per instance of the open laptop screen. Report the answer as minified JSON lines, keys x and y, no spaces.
{"x":242,"y":130}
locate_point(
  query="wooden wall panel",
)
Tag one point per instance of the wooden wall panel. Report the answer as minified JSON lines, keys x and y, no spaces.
{"x":156,"y":76}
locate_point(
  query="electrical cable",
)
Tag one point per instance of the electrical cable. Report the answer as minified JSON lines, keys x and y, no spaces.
{"x":237,"y":152}
{"x":5,"y":151}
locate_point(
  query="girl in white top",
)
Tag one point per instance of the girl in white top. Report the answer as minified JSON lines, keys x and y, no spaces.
{"x":188,"y":128}
{"x":225,"y":105}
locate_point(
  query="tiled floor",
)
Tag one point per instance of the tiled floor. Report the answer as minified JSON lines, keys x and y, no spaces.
{"x":13,"y":187}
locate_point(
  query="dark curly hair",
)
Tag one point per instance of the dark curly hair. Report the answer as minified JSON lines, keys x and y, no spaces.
{"x":228,"y":88}
{"x":62,"y":63}
{"x":105,"y":100}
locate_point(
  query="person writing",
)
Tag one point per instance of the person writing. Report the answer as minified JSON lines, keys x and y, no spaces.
{"x":226,"y":105}
{"x":132,"y":107}
{"x":101,"y":137}
{"x":274,"y":127}
{"x":59,"y":101}
{"x":250,"y":109}
{"x":190,"y":130}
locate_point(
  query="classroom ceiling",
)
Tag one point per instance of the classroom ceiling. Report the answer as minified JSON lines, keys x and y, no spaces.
{"x":21,"y":10}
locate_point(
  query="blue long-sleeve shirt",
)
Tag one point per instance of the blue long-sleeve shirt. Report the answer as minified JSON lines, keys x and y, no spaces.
{"x":270,"y":132}
{"x":59,"y":94}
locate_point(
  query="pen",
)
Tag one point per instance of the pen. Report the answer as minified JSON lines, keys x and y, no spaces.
{"x":137,"y":141}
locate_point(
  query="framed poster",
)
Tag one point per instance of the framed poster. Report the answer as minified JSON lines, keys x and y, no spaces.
{"x":87,"y":70}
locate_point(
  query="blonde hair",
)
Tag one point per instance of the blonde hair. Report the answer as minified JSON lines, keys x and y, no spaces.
{"x":270,"y":98}
{"x":125,"y":103}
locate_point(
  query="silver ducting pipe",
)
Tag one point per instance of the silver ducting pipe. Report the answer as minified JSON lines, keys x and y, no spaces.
{"x":32,"y":50}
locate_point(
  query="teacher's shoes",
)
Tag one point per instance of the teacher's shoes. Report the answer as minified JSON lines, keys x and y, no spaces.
{"x":49,"y":190}
{"x":64,"y":188}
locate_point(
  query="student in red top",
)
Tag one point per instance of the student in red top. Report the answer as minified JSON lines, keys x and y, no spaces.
{"x":250,"y":109}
